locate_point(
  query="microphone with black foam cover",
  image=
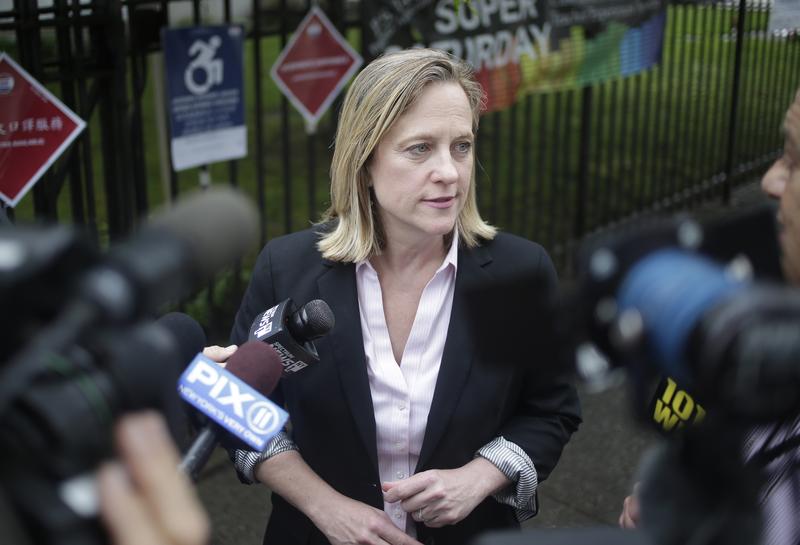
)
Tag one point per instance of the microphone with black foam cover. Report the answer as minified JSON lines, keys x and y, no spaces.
{"x":187,"y":333}
{"x":291,"y":332}
{"x":732,"y":341}
{"x":188,"y":339}
{"x":175,"y":251}
{"x":172,"y":253}
{"x":234,"y":397}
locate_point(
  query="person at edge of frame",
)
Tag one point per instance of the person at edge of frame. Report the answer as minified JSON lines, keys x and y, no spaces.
{"x":780,"y":498}
{"x":408,"y":431}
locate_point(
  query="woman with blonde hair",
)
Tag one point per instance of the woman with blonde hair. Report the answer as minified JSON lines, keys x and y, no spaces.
{"x":407,"y":431}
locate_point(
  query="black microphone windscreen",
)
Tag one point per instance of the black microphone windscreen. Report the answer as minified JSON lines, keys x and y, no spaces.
{"x":145,"y":363}
{"x":258,"y":365}
{"x":188,"y":334}
{"x":312,"y":321}
{"x":218,"y":225}
{"x":320,"y":317}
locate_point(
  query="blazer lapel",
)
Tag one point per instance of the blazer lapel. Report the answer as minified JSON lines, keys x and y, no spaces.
{"x":337,"y":287}
{"x":458,"y":350}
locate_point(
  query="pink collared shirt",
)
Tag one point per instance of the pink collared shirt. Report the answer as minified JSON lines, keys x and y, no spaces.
{"x":402,"y":394}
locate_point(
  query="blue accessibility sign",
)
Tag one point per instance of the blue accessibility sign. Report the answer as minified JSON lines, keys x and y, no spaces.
{"x":205,"y":94}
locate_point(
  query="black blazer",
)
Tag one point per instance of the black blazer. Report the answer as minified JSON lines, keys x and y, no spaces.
{"x":496,"y":376}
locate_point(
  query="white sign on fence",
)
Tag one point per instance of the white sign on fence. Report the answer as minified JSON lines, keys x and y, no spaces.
{"x":785,"y":15}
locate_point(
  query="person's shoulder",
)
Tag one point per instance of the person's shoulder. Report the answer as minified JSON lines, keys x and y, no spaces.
{"x":292,"y":252}
{"x":516,"y":250}
{"x":298,"y":243}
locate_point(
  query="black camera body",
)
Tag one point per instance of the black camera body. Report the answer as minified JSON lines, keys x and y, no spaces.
{"x":56,"y":423}
{"x":82,"y":348}
{"x":703,"y":304}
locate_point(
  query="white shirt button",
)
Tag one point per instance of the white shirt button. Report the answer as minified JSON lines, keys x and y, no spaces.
{"x":400,"y":475}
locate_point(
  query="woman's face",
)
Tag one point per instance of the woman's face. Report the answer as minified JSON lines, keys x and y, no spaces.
{"x":421,"y":169}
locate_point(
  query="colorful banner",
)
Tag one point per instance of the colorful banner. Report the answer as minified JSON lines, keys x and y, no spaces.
{"x":524,"y":46}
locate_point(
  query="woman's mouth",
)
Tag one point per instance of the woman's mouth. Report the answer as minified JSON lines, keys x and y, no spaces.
{"x":440,"y":202}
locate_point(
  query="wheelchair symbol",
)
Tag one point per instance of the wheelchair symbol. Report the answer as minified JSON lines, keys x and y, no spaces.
{"x":203,"y":61}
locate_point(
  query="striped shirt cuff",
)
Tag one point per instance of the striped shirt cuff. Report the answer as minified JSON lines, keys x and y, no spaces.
{"x":246,"y":461}
{"x":515,"y":464}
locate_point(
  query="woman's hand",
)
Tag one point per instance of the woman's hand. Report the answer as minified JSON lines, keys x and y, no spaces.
{"x":440,"y":497}
{"x":350,"y":522}
{"x":343,"y":520}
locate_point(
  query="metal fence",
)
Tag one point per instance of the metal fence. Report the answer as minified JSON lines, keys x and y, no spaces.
{"x":553,"y":167}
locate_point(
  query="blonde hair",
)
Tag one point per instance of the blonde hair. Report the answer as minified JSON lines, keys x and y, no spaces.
{"x":378,"y":96}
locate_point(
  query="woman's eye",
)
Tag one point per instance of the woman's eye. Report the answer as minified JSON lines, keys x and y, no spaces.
{"x":463,"y":147}
{"x":419,"y":148}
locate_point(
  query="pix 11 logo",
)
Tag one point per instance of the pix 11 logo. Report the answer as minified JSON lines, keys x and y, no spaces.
{"x":231,"y":402}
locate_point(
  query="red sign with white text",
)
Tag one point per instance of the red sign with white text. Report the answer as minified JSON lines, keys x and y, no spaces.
{"x":35,"y":129}
{"x":314,"y":66}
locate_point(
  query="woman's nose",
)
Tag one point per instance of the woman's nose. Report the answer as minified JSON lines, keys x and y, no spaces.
{"x":446,"y":170}
{"x":774,"y":181}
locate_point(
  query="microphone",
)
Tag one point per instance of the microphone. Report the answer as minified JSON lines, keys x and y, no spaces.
{"x":234,"y":397}
{"x":188,"y":339}
{"x":175,"y":250}
{"x":188,"y":335}
{"x":731,"y":341}
{"x":291,"y":331}
{"x":673,"y":406}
